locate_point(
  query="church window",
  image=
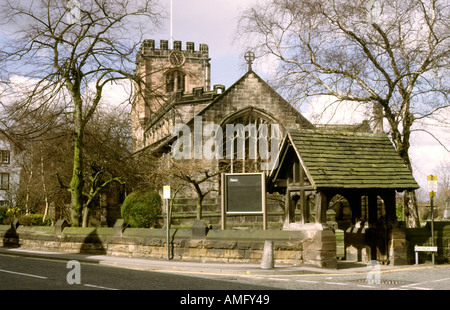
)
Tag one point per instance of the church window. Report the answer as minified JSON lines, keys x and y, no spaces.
{"x":4,"y":157}
{"x":245,"y":145}
{"x":4,"y":181}
{"x":175,"y":81}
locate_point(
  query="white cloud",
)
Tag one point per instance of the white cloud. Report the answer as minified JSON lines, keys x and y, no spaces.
{"x":326,"y":110}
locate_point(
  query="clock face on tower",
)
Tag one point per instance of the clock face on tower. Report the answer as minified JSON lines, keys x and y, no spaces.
{"x":176,"y":58}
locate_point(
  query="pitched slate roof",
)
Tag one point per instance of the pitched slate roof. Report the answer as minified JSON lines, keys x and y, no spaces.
{"x":351,"y":160}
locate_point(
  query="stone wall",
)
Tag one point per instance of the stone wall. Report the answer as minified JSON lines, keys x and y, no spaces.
{"x":401,"y":242}
{"x":311,"y":247}
{"x":422,"y":237}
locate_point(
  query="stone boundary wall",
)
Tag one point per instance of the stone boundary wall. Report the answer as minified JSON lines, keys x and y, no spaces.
{"x":401,"y":242}
{"x":309,"y":247}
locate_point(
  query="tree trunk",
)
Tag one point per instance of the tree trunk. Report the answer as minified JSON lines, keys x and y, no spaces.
{"x":411,"y":207}
{"x":43,"y":184}
{"x":77,"y":182}
{"x":85,"y":216}
{"x":409,"y":197}
{"x":199,"y":206}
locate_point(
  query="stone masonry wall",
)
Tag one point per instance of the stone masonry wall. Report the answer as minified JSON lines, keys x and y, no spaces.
{"x":229,"y":246}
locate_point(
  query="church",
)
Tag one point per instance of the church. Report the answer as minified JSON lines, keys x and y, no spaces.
{"x":311,"y":166}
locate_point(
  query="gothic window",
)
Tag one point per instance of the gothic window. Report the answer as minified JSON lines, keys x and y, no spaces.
{"x":4,"y":157}
{"x":251,"y":146}
{"x":175,"y":81}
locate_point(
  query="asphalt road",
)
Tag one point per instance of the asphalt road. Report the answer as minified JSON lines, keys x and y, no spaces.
{"x":27,"y":273}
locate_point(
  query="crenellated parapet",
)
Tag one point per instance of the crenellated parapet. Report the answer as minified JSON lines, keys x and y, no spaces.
{"x":149,"y":48}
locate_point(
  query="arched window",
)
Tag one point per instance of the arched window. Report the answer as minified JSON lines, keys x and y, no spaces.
{"x":175,"y":81}
{"x":248,"y":141}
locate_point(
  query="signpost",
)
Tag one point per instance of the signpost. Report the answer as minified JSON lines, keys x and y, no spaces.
{"x":432,"y":189}
{"x":166,"y":197}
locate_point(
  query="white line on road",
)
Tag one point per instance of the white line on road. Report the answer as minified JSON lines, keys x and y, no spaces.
{"x":307,"y":281}
{"x":335,"y":283}
{"x":413,"y":285}
{"x":370,"y":286}
{"x":23,"y":274}
{"x":102,"y":287}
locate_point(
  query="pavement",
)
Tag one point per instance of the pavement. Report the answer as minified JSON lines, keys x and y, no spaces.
{"x":178,"y":266}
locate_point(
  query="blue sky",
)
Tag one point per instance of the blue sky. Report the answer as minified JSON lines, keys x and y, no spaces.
{"x":213,"y":23}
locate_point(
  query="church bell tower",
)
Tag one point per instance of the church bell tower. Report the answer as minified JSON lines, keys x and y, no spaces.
{"x":164,"y":72}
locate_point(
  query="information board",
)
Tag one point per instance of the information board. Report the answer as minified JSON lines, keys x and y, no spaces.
{"x":243,"y":193}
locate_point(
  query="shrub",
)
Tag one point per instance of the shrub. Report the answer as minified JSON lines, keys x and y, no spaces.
{"x":3,"y":213}
{"x":34,"y":220}
{"x":142,"y":208}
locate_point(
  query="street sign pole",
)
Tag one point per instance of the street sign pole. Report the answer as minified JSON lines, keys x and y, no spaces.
{"x":432,"y":188}
{"x":166,"y":197}
{"x":432,"y":228}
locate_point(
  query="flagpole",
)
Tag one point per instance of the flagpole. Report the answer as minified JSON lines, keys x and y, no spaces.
{"x":171,"y":24}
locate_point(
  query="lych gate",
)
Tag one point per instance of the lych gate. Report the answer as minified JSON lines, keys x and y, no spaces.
{"x":364,"y":168}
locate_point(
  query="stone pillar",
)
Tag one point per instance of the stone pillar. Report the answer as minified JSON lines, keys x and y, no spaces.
{"x":267,"y":259}
{"x":119,"y":226}
{"x":59,"y":226}
{"x":320,"y":247}
{"x":398,"y":252}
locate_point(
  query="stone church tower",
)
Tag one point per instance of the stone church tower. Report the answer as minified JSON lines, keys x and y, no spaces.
{"x":166,"y":74}
{"x":176,"y":86}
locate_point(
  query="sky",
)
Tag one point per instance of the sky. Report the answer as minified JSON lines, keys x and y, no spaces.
{"x":213,"y":23}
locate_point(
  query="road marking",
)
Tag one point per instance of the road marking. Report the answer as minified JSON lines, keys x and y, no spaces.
{"x":335,"y":283}
{"x":278,"y":279}
{"x":101,"y":287}
{"x":413,"y":285}
{"x":307,"y":281}
{"x":23,"y":274}
{"x":423,"y":288}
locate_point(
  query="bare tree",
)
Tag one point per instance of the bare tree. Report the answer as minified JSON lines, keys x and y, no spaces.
{"x":200,"y":176}
{"x":390,"y":55}
{"x":69,"y":51}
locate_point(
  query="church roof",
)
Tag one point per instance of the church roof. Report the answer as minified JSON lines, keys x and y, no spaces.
{"x":352,"y":160}
{"x":252,"y":91}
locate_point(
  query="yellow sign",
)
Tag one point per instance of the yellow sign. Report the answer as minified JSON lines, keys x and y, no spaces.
{"x":432,"y":185}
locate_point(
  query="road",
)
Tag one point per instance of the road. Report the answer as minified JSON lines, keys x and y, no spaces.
{"x":208,"y":286}
{"x":27,"y":273}
{"x":417,"y":278}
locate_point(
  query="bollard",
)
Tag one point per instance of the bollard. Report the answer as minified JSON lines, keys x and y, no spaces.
{"x":267,"y":259}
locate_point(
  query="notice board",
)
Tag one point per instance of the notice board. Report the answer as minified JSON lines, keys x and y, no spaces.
{"x":243,"y":193}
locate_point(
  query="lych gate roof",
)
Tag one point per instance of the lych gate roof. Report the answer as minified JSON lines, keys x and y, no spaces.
{"x":350,"y":160}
